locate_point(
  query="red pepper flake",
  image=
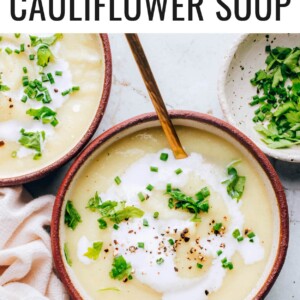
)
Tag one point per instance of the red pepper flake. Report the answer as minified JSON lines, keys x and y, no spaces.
{"x":106,"y":250}
{"x":11,"y":106}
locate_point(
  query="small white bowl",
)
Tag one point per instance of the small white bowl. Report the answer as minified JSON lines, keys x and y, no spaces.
{"x":235,"y":90}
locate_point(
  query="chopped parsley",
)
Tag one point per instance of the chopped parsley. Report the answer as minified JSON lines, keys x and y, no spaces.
{"x":72,"y":217}
{"x":199,"y":266}
{"x":94,"y":251}
{"x":46,"y":114}
{"x":44,"y":56}
{"x":235,"y":183}
{"x":179,"y":200}
{"x":67,"y":254}
{"x":114,"y":211}
{"x":121,"y":269}
{"x":33,"y":141}
{"x":277,"y":117}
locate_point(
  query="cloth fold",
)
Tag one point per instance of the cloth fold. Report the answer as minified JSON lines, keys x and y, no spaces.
{"x":26,"y":267}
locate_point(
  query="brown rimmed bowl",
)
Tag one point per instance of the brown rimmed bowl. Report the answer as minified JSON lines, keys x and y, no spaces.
{"x":202,"y":122}
{"x":4,"y":182}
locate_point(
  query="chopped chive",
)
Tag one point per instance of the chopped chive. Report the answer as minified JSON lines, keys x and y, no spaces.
{"x":164,"y":156}
{"x":22,"y":47}
{"x":178,"y":171}
{"x":17,"y":51}
{"x":169,"y":188}
{"x":155,"y":215}
{"x":14,"y":154}
{"x":230,"y":266}
{"x":240,"y":239}
{"x":24,"y":99}
{"x":219,"y":252}
{"x":141,"y":245}
{"x":251,"y":235}
{"x":224,"y":260}
{"x":8,"y":51}
{"x":65,"y":93}
{"x":45,"y":78}
{"x":118,"y":180}
{"x":116,"y":226}
{"x":51,"y":79}
{"x":251,"y":240}
{"x":149,"y":187}
{"x":75,"y":88}
{"x":199,"y":266}
{"x":58,"y":73}
{"x":153,"y":169}
{"x":171,"y":242}
{"x":160,"y":261}
{"x":31,"y":57}
{"x":25,"y":71}
{"x":17,"y":35}
{"x":145,"y":223}
{"x":217,"y":227}
{"x":141,"y":196}
{"x":236,"y":233}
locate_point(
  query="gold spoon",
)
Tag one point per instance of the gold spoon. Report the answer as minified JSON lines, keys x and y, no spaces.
{"x":154,"y":93}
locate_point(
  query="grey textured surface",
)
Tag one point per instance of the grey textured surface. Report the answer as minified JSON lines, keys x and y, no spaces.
{"x":186,"y":68}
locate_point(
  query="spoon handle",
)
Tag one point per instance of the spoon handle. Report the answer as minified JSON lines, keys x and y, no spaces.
{"x":154,"y":93}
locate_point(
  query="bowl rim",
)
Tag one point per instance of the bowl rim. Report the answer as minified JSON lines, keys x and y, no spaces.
{"x":11,"y":181}
{"x":223,"y":100}
{"x":183,"y":115}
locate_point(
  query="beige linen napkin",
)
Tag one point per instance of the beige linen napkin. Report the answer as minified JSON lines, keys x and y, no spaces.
{"x":26,"y":269}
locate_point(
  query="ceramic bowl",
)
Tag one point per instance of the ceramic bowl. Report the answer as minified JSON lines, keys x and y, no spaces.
{"x":89,"y":133}
{"x":235,"y":90}
{"x":195,"y":120}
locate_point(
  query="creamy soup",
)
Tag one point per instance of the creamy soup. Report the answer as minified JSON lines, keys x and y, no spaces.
{"x":160,"y":228}
{"x":50,"y":88}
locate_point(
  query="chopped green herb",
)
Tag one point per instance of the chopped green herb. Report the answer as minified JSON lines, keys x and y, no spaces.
{"x":226,"y":264}
{"x":72,"y":217}
{"x":102,"y":223}
{"x":94,"y":251}
{"x":141,"y":245}
{"x":156,"y":215}
{"x":178,"y":171}
{"x":236,"y":233}
{"x":71,"y":90}
{"x":24,"y":99}
{"x":199,"y":266}
{"x":153,"y":169}
{"x":58,"y":73}
{"x":145,"y":223}
{"x":51,"y":79}
{"x":4,"y":88}
{"x":17,"y":51}
{"x":94,"y":202}
{"x":17,"y":35}
{"x":179,"y":200}
{"x":116,"y":226}
{"x":49,"y":41}
{"x":121,"y":269}
{"x":169,"y":188}
{"x":171,"y":242}
{"x":219,"y":252}
{"x":46,"y":114}
{"x":141,"y":196}
{"x":235,"y":183}
{"x":67,"y":254}
{"x":25,"y":70}
{"x":22,"y":48}
{"x":8,"y":51}
{"x":150,"y":187}
{"x":33,"y":141}
{"x":118,"y":180}
{"x":164,"y":156}
{"x":240,"y":239}
{"x":31,"y":57}
{"x":160,"y":261}
{"x":251,"y":235}
{"x":217,"y":227}
{"x":204,"y":193}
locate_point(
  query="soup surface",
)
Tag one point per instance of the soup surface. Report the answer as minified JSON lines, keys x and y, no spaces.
{"x":50,"y":89}
{"x":141,"y":225}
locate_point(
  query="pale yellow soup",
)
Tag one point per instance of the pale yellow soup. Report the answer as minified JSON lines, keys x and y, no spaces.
{"x":98,"y":175}
{"x":83,"y":60}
